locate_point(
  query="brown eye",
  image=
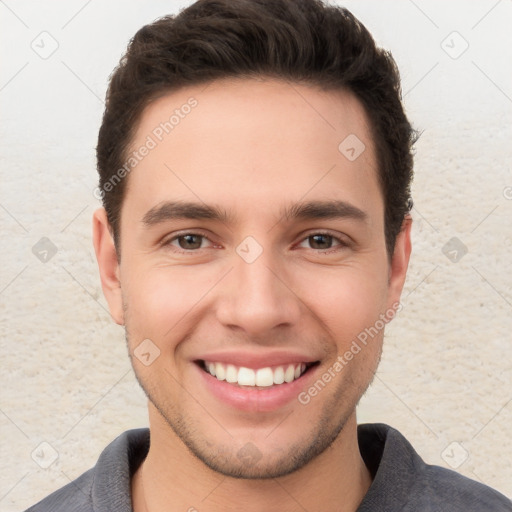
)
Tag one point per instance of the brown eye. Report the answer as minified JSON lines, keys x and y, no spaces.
{"x":320,"y":241}
{"x":323,"y":242}
{"x":188,"y":241}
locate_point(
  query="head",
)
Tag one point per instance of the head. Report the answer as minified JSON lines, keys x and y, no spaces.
{"x":296,"y":41}
{"x":255,"y":166}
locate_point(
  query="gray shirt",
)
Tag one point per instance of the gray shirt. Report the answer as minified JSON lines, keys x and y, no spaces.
{"x":401,"y":480}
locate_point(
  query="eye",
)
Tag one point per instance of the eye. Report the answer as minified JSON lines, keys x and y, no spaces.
{"x":189,"y":241}
{"x":322,"y":241}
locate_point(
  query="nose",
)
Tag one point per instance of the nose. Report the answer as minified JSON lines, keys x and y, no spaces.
{"x":257,"y":298}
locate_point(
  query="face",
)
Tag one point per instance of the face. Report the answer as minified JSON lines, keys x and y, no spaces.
{"x":253,"y":262}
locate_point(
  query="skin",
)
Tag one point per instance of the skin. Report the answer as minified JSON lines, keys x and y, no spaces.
{"x":252,"y":147}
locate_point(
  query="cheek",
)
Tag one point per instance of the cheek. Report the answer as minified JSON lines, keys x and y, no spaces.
{"x":346,"y":300}
{"x":160,"y":299}
{"x":159,"y":304}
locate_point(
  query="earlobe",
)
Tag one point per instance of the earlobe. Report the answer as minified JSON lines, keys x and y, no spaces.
{"x":108,"y":264}
{"x":399,"y":262}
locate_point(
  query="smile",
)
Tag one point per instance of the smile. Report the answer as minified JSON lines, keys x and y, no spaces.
{"x":257,"y":377}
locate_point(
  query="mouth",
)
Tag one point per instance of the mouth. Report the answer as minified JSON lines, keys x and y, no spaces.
{"x":256,"y":378}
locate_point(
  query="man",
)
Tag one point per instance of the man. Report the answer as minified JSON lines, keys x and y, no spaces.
{"x":255,"y":166}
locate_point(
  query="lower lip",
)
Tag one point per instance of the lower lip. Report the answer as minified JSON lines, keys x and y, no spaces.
{"x":256,"y":399}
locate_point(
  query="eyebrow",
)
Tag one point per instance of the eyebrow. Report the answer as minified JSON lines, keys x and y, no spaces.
{"x":324,"y":210}
{"x":178,"y":210}
{"x":172,"y":210}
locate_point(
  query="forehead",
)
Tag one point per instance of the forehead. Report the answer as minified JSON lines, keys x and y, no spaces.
{"x":250,"y":144}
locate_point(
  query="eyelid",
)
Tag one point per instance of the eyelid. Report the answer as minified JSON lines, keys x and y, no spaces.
{"x":344,"y":240}
{"x":166,"y":241}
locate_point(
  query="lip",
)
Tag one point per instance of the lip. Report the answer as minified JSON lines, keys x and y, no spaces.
{"x":254,"y":360}
{"x":252,"y":399}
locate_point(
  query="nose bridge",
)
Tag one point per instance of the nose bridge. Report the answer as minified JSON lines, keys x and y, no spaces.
{"x":257,"y":299}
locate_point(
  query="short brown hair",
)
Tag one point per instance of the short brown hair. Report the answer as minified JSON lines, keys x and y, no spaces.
{"x":298,"y":40}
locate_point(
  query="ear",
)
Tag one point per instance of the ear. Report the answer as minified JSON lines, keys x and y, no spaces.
{"x":399,"y":263}
{"x":108,"y":264}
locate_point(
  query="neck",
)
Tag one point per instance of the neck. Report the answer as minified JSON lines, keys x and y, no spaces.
{"x":171,"y":474}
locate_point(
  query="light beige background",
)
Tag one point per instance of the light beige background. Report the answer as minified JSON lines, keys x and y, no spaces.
{"x":446,"y":372}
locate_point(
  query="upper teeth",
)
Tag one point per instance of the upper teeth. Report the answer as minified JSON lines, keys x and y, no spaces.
{"x":259,"y":377}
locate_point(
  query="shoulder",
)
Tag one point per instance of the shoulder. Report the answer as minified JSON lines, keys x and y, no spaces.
{"x":75,"y":497}
{"x":106,"y":486}
{"x":437,"y":488}
{"x":403,"y":481}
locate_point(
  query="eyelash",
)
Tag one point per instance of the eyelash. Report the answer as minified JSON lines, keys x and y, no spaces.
{"x":341,"y":244}
{"x":181,"y":235}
